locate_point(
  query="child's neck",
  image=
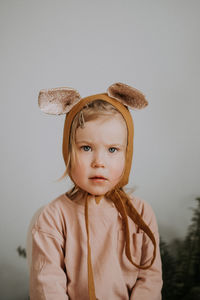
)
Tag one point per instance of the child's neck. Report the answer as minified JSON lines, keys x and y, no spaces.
{"x":104,"y":202}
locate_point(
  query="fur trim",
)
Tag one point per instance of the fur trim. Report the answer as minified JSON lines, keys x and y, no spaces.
{"x":58,"y":101}
{"x":127,"y":95}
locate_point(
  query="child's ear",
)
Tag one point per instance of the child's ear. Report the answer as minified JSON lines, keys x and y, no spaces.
{"x":58,"y":101}
{"x":127,"y":95}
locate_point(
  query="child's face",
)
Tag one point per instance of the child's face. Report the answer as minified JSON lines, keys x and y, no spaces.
{"x":100,"y":149}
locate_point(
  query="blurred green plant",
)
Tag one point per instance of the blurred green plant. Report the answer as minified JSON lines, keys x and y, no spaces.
{"x":181,"y":270}
{"x":21,"y":251}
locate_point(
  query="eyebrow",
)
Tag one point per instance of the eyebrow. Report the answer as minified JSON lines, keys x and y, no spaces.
{"x":82,"y":141}
{"x":108,"y":145}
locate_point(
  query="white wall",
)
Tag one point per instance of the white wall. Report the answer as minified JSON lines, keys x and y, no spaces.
{"x":88,"y":45}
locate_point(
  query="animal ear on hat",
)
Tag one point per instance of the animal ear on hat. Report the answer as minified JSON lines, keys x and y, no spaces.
{"x":127,"y":95}
{"x":58,"y":101}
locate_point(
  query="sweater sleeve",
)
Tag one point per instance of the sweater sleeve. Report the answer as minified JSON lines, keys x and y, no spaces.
{"x":48,"y":278}
{"x":149,"y":282}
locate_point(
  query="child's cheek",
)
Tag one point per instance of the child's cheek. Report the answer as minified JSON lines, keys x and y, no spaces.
{"x":119,"y":165}
{"x":81,"y":163}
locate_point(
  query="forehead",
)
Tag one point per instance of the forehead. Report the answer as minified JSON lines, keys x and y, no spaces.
{"x":104,"y":129}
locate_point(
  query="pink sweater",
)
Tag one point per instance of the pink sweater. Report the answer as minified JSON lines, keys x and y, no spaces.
{"x":59,"y":254}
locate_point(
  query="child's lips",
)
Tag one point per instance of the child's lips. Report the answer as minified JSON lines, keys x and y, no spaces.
{"x":98,"y":178}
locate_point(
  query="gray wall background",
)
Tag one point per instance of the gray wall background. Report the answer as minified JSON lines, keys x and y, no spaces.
{"x":88,"y":45}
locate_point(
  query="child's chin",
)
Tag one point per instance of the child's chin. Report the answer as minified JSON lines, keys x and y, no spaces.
{"x":97,"y":192}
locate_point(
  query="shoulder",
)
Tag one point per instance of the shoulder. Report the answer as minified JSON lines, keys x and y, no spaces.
{"x":145,"y":210}
{"x":52,"y":217}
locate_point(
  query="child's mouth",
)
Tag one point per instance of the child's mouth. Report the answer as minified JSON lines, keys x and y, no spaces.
{"x":98,"y":178}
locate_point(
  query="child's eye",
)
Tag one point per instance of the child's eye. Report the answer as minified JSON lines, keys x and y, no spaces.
{"x":86,"y":148}
{"x":112,"y":149}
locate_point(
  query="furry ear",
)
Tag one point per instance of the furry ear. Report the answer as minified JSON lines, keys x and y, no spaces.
{"x":58,"y":101}
{"x":127,"y":95}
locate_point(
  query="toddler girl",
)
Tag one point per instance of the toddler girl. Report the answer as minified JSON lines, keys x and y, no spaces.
{"x":95,"y":241}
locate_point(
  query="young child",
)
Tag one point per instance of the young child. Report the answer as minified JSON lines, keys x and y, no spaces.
{"x":95,"y":241}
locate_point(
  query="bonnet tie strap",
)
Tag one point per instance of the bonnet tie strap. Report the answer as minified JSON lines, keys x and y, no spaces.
{"x":124,"y":206}
{"x":91,"y":286}
{"x":137,"y":219}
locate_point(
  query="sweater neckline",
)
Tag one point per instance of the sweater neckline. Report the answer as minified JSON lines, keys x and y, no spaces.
{"x":93,"y":209}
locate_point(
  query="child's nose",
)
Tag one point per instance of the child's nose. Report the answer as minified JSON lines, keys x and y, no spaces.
{"x":98,"y":161}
